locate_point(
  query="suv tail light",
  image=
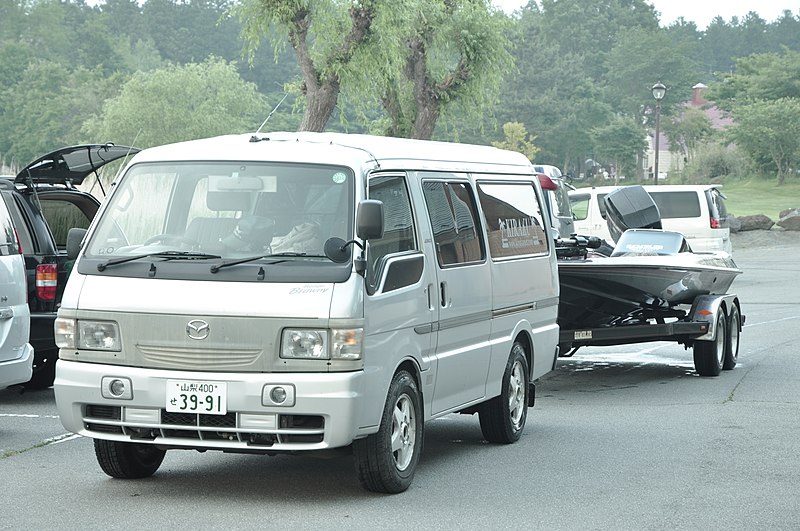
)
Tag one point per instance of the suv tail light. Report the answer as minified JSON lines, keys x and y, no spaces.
{"x":715,"y":224}
{"x":46,"y":281}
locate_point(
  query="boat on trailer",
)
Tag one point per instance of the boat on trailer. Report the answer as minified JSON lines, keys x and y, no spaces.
{"x":652,"y":287}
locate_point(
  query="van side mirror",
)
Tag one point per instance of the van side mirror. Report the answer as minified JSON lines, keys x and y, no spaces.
{"x":74,"y":238}
{"x":369,"y":219}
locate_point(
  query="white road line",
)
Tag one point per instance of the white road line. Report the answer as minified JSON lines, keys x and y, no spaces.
{"x":773,"y":321}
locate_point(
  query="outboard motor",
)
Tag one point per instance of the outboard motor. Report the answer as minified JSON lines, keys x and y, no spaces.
{"x":630,"y":207}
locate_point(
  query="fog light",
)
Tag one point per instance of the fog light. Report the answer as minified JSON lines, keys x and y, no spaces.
{"x":278,"y":395}
{"x":116,"y":388}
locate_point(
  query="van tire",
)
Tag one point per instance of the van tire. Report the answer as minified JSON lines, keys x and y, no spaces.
{"x":503,"y":417}
{"x":732,"y":340}
{"x":710,"y":355}
{"x":380,"y":466}
{"x":128,"y":460}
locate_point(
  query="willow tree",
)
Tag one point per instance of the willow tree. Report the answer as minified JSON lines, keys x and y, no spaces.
{"x":330,"y":39}
{"x":456,"y":55}
{"x":415,"y":58}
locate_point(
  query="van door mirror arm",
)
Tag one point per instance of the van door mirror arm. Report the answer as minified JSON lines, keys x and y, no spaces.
{"x":336,"y":249}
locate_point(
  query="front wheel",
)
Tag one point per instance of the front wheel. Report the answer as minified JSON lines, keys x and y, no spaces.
{"x":503,"y":417}
{"x":385,"y":461}
{"x":128,"y":460}
{"x":710,"y":355}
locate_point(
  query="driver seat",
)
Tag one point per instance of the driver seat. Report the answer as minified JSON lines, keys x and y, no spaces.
{"x":209,"y":231}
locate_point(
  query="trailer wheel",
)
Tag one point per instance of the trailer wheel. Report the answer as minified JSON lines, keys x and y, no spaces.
{"x":385,"y":461}
{"x":128,"y":460}
{"x":710,"y":355}
{"x":732,"y":342}
{"x":503,"y":417}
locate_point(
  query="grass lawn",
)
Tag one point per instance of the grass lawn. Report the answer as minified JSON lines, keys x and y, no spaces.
{"x":746,"y":198}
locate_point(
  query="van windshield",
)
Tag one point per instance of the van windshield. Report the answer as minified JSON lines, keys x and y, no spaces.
{"x":225,"y":209}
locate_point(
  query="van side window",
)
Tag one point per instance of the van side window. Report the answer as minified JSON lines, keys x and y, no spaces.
{"x":451,"y":208}
{"x":676,"y":204}
{"x":513,"y":219}
{"x":398,"y":233}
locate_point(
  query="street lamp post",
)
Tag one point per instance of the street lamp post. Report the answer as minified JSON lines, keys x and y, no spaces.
{"x":659,"y":90}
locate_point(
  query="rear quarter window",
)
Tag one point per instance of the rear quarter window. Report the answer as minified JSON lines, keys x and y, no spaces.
{"x":8,"y":241}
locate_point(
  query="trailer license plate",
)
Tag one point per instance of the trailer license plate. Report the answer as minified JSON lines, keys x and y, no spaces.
{"x":583,"y":334}
{"x":193,"y":396}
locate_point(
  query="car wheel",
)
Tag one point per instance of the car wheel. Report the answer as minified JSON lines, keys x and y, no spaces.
{"x":710,"y":355}
{"x":503,"y":417}
{"x":386,"y":461}
{"x":732,"y":341}
{"x":128,"y":460}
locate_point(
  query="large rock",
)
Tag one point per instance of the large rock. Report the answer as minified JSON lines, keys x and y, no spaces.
{"x":790,"y":219}
{"x":788,"y":211}
{"x":755,"y":222}
{"x":734,"y":224}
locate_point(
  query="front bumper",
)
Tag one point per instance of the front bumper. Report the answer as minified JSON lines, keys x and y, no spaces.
{"x":324,"y":414}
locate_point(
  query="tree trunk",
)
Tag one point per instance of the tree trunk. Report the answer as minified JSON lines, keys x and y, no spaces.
{"x":320,"y":103}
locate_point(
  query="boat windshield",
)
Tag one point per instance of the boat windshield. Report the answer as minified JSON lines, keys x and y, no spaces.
{"x":650,"y":242}
{"x":225,"y":210}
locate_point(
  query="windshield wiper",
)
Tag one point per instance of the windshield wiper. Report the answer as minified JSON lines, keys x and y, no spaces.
{"x":217,"y":267}
{"x":166,"y":255}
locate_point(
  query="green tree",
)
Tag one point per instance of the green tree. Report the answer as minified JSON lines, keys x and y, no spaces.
{"x":639,"y":59}
{"x":516,"y":138}
{"x":45,"y":109}
{"x":687,"y":131}
{"x":769,"y":130}
{"x":328,"y":38}
{"x":456,"y":56}
{"x":180,"y":103}
{"x":620,"y":142}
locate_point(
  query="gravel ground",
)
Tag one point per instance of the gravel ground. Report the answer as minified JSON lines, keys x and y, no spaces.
{"x":765,"y":238}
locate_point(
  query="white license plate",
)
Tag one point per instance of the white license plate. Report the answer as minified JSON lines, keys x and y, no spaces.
{"x":197,"y":396}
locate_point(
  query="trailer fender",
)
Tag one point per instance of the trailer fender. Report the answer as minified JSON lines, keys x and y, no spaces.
{"x":706,"y":308}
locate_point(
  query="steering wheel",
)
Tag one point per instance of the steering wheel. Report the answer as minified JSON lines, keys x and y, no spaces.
{"x":171,"y":238}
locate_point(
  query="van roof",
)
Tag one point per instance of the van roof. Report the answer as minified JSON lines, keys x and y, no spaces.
{"x":340,"y":148}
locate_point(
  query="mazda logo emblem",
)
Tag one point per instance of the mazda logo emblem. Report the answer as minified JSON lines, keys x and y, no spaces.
{"x":197,"y":329}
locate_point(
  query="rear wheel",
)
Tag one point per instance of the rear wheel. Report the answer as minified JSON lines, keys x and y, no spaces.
{"x":385,"y":461}
{"x":710,"y":355}
{"x":732,"y":342}
{"x":503,"y":417}
{"x":128,"y":460}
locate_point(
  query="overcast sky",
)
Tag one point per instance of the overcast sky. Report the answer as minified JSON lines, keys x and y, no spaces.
{"x":700,"y":11}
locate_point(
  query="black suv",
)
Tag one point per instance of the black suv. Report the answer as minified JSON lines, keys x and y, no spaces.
{"x":44,"y":204}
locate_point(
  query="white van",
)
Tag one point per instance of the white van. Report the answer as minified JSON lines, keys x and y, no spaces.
{"x":290,"y":292}
{"x":696,"y":211}
{"x":16,"y":353}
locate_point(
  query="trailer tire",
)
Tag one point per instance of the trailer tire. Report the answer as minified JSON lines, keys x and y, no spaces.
{"x":128,"y":460}
{"x":709,"y":356}
{"x":732,"y":342}
{"x":503,"y":417}
{"x":385,"y":461}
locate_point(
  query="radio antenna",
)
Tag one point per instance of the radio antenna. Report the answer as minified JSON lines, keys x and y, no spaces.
{"x":285,"y":94}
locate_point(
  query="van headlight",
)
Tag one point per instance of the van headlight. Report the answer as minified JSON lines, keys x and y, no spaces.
{"x":306,"y":343}
{"x":87,"y":335}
